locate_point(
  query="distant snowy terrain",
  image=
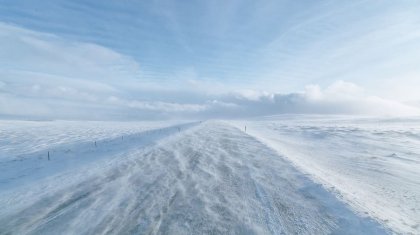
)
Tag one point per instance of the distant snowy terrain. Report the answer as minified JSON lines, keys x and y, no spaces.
{"x":20,"y":137}
{"x":281,"y":176}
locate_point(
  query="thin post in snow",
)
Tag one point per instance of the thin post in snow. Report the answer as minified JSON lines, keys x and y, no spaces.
{"x":95,"y":144}
{"x":48,"y":155}
{"x":245,"y":128}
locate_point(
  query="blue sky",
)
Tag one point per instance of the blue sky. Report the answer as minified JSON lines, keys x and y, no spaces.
{"x":256,"y":49}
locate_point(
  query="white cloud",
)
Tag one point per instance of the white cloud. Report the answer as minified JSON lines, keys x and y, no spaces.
{"x":313,"y":92}
{"x":44,"y":76}
{"x":339,"y":90}
{"x":26,"y":50}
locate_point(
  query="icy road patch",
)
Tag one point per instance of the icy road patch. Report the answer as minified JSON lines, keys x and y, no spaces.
{"x":209,"y":179}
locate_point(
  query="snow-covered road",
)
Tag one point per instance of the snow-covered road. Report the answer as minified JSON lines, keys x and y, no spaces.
{"x":209,"y":179}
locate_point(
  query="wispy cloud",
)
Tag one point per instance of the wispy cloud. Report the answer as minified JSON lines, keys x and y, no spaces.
{"x":48,"y":75}
{"x":273,"y":45}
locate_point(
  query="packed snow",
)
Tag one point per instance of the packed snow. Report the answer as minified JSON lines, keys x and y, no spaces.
{"x":280,"y":176}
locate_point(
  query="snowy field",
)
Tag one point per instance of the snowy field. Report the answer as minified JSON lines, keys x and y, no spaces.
{"x":284,"y":175}
{"x":371,"y":164}
{"x":25,"y":145}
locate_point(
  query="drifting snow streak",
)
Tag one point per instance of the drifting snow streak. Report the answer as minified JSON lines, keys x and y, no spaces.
{"x":211,"y":179}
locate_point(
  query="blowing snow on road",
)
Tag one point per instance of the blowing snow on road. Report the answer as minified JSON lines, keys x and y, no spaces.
{"x":206,"y":178}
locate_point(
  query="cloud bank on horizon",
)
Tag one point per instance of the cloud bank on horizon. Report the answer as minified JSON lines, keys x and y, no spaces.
{"x":248,"y":63}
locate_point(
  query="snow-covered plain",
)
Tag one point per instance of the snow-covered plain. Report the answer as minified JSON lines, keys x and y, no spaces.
{"x":25,"y":145}
{"x":371,"y":164}
{"x":210,"y":177}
